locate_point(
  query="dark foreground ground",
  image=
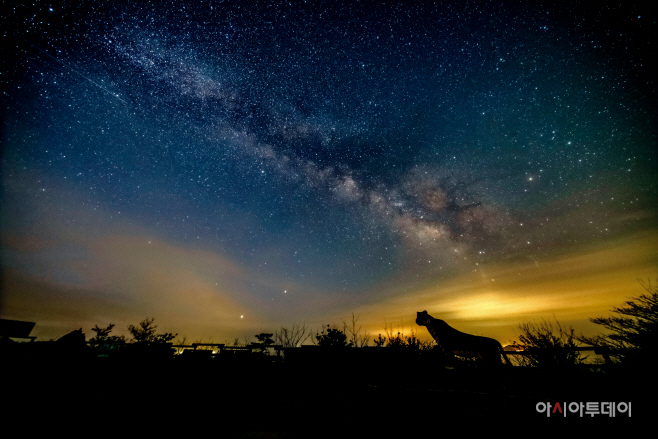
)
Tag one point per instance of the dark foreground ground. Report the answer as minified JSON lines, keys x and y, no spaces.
{"x":319,"y":397}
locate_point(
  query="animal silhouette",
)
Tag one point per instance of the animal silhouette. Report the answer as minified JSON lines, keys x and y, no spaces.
{"x":454,"y":342}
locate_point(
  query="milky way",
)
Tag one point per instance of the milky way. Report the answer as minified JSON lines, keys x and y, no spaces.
{"x":328,"y":155}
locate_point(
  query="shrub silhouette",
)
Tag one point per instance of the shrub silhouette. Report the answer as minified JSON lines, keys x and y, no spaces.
{"x":395,"y":341}
{"x":401,"y":341}
{"x":145,"y":341}
{"x":332,"y":339}
{"x":552,"y":346}
{"x":635,"y":329}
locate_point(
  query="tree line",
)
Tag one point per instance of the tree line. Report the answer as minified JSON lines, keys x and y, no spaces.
{"x":631,"y":338}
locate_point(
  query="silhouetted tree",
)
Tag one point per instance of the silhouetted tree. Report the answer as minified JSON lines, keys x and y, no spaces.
{"x":264,"y":341}
{"x":146,"y":341}
{"x":552,"y":346}
{"x":634,"y":329}
{"x":290,"y":338}
{"x":145,"y":333}
{"x":104,"y":341}
{"x":333,"y":338}
{"x":356,"y":338}
{"x":101,"y":333}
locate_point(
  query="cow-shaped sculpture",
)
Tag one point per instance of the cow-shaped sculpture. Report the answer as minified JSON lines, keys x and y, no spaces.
{"x":454,"y":342}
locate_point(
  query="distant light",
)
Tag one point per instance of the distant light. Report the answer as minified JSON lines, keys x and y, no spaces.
{"x":241,"y":317}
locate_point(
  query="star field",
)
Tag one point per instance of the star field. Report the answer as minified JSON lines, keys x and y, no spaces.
{"x":232,"y":164}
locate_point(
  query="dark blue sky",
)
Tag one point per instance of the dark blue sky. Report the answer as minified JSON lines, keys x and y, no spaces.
{"x":341,"y":153}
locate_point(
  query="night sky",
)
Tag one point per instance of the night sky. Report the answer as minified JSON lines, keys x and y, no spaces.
{"x":232,"y":167}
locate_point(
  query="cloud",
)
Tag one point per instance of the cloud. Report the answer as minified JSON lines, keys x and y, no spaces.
{"x":572,"y":286}
{"x":125,"y":278}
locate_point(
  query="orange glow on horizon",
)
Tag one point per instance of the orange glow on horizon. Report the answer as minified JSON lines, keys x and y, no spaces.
{"x":571,"y":287}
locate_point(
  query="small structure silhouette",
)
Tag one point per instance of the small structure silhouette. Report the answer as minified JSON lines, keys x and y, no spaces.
{"x":453,"y":342}
{"x":16,"y":329}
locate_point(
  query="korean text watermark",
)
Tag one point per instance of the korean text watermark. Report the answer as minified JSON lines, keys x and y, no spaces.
{"x":564,"y":409}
